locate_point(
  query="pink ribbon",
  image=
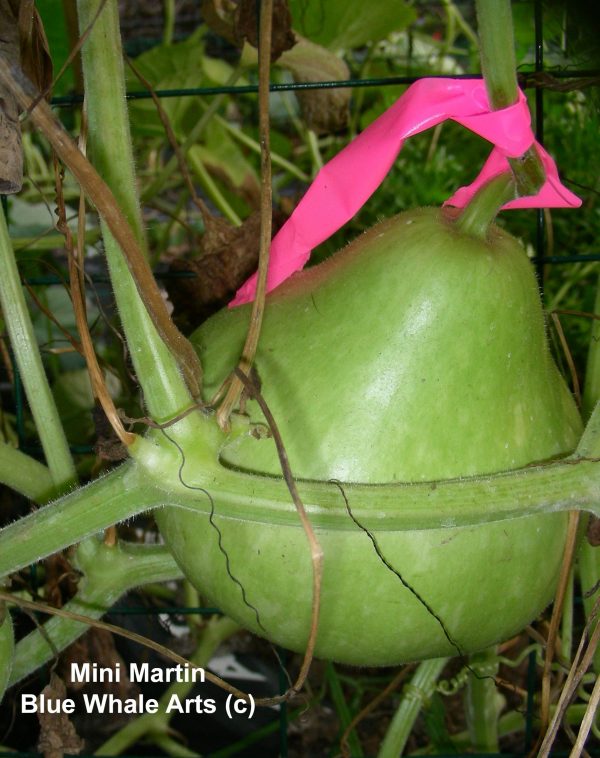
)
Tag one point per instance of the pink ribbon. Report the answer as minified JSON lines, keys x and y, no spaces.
{"x":346,"y":182}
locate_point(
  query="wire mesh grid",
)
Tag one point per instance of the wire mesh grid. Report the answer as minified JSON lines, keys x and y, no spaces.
{"x":540,"y":260}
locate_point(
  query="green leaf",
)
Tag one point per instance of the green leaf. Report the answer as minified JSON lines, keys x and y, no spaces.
{"x":226,"y":161}
{"x":166,"y":67}
{"x":27,"y":219}
{"x":58,"y":42}
{"x":344,"y":24}
{"x":435,"y":726}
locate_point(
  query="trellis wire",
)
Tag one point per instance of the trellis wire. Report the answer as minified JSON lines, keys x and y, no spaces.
{"x":539,"y":261}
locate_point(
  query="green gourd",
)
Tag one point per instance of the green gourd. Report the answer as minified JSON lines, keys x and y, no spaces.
{"x":417,"y":353}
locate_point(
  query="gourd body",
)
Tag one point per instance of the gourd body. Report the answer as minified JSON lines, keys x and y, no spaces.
{"x":418,"y":353}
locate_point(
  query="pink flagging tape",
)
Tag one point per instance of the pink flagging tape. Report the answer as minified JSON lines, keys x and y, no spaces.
{"x":552,"y":194}
{"x":347,"y":181}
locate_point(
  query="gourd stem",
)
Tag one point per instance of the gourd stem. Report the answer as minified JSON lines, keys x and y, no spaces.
{"x":415,"y":695}
{"x":483,"y":207}
{"x":498,"y":65}
{"x":482,"y":702}
{"x":108,"y":573}
{"x":29,"y":362}
{"x":497,"y":51}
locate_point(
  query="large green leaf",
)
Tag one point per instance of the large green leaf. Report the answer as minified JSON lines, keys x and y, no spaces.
{"x":344,"y":24}
{"x":171,"y":67}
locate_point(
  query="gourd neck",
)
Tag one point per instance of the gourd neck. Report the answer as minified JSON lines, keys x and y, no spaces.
{"x":485,"y":204}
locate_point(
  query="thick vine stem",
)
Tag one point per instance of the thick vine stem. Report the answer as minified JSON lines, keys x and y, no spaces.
{"x":415,"y":696}
{"x":481,"y":701}
{"x":111,"y":150}
{"x":152,"y":481}
{"x":498,"y":65}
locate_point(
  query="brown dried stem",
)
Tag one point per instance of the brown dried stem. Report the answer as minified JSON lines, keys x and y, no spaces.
{"x":316,"y":552}
{"x":568,"y":357}
{"x":106,"y":205}
{"x":587,"y":721}
{"x":162,"y":114}
{"x":583,"y":659}
{"x":76,"y":279}
{"x":266,"y":213}
{"x":370,"y":707}
{"x":568,"y":556}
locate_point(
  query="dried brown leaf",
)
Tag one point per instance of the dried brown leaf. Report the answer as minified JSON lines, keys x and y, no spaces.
{"x":593,"y":531}
{"x":246,"y":26}
{"x":326,"y":110}
{"x":219,"y":15}
{"x":57,"y":733}
{"x":61,"y":580}
{"x":108,"y":446}
{"x":11,"y":154}
{"x":98,"y":645}
{"x":35,"y":52}
{"x":229,"y":256}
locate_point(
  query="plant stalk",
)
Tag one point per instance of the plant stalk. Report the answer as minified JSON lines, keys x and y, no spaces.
{"x":84,"y":512}
{"x":29,"y":361}
{"x":135,"y":487}
{"x":109,"y":143}
{"x":498,"y":65}
{"x":482,"y":708}
{"x":484,"y":206}
{"x":108,"y":573}
{"x":415,"y":695}
{"x":25,"y":475}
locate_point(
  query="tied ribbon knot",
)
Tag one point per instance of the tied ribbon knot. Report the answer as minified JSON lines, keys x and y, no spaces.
{"x":347,"y":181}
